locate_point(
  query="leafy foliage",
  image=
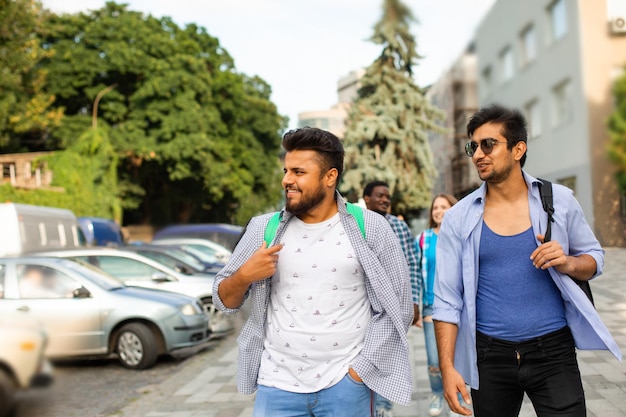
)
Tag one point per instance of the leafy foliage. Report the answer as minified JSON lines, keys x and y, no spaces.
{"x":387,"y":132}
{"x":26,"y":115}
{"x":617,"y":132}
{"x":196,"y":140}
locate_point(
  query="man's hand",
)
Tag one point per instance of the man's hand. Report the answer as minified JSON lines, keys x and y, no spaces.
{"x":261,"y":265}
{"x":354,"y":375}
{"x":452,"y":385}
{"x":417,"y":317}
{"x":551,"y":254}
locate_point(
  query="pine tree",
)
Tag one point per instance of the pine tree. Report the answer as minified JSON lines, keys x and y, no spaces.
{"x":387,"y":131}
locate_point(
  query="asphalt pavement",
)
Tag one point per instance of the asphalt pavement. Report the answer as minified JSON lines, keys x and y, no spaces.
{"x":206,"y":386}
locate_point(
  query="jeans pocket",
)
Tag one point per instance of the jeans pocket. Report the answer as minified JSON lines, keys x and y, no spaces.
{"x":483,"y":347}
{"x":481,"y":353}
{"x":354,"y":381}
{"x":563,"y":351}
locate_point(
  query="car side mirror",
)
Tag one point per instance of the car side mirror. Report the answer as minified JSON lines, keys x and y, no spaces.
{"x":160,"y":277}
{"x":81,"y":292}
{"x":184,"y":269}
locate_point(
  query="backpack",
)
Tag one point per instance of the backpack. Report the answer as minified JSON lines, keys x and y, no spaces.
{"x":272,"y":226}
{"x":545,"y":189}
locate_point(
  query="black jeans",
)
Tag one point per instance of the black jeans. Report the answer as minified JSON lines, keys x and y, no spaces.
{"x":544,"y":368}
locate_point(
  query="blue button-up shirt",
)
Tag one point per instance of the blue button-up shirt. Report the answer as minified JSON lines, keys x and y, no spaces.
{"x":457,"y":271}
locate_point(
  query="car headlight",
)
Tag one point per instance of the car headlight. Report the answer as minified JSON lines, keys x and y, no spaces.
{"x":190,"y":309}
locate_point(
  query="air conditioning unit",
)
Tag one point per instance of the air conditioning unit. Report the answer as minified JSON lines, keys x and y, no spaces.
{"x":618,"y":24}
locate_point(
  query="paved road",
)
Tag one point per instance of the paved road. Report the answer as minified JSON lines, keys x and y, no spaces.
{"x":98,"y":387}
{"x":206,"y":385}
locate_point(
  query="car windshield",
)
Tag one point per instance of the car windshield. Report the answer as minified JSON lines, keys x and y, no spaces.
{"x":205,"y":254}
{"x":94,"y":274}
{"x":168,"y":259}
{"x":187,"y":258}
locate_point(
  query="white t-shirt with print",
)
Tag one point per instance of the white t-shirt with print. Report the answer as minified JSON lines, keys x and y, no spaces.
{"x":318,"y":309}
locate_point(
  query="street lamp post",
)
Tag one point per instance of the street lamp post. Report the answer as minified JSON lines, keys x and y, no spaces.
{"x":94,"y":116}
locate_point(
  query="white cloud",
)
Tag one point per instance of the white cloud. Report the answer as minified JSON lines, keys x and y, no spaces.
{"x":301,"y":48}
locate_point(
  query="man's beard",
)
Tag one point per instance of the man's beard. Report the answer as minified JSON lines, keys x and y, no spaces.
{"x":496,"y":177}
{"x":307,"y":202}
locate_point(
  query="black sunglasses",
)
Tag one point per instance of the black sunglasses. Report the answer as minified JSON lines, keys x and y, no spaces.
{"x":486,"y":146}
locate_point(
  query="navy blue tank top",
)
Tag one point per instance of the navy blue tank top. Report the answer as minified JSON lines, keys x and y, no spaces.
{"x":515,"y":300}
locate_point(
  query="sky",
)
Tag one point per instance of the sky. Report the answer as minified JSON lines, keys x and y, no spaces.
{"x":303,"y":47}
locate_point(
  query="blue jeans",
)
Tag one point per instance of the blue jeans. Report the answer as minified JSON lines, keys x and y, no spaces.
{"x":347,"y":398}
{"x":381,"y":405}
{"x":432,"y":356}
{"x":545,"y":368}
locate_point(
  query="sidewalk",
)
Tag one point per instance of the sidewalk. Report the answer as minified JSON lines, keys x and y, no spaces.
{"x":206,"y":385}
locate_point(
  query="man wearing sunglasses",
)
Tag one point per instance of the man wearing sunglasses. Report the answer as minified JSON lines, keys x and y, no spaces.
{"x":508,"y":316}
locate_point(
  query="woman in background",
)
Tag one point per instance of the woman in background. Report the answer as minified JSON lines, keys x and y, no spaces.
{"x":425,"y":245}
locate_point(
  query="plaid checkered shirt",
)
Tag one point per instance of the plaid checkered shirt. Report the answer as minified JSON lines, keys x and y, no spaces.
{"x":403,"y":232}
{"x":383,"y":363}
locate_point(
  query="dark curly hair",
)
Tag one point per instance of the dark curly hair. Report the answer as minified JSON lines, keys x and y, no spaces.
{"x":327,"y":146}
{"x":513,"y":124}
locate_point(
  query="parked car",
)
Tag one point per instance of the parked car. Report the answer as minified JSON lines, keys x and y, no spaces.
{"x":139,"y":271}
{"x":27,"y":228}
{"x":88,"y":313}
{"x":226,"y":235}
{"x":212,"y":251}
{"x":22,"y":361}
{"x":175,"y":257}
{"x":101,"y":232}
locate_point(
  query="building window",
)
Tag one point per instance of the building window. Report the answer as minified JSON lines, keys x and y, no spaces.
{"x":487,"y":81}
{"x":558,"y":19}
{"x":529,"y":45}
{"x":533,"y":118}
{"x":506,"y":64}
{"x":569,"y":182}
{"x":562,"y":103}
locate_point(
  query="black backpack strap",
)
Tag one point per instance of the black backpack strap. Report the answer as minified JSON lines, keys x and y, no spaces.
{"x":545,"y":189}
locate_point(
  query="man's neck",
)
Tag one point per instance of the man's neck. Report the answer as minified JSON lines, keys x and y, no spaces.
{"x":326,"y":209}
{"x":511,"y":189}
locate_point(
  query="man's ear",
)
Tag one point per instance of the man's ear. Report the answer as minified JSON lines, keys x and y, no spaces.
{"x":331,"y":177}
{"x":519,"y":150}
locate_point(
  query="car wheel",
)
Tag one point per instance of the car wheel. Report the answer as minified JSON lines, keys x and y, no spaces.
{"x":136,"y":346}
{"x":7,"y":394}
{"x":220,"y":323}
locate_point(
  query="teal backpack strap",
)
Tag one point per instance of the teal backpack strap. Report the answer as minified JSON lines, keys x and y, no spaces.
{"x":272,"y":225}
{"x":357,"y":213}
{"x":271,"y":228}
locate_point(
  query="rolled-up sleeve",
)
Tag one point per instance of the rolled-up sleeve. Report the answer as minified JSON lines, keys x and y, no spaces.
{"x":251,"y":240}
{"x":448,"y":286}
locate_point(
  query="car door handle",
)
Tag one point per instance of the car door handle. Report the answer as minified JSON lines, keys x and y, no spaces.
{"x":23,"y":308}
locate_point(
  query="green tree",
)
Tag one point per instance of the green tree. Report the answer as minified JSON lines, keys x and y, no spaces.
{"x":26,"y":115}
{"x":387,"y":132}
{"x":617,"y":132}
{"x":197,"y":141}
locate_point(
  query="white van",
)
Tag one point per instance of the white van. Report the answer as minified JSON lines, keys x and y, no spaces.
{"x":25,"y":228}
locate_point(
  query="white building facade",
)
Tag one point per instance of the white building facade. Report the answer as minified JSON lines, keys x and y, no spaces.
{"x":556,"y":61}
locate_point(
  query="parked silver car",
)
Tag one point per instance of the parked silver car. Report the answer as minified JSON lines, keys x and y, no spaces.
{"x":89,"y":313}
{"x":213,"y":251}
{"x":136,"y":270}
{"x":22,"y":362}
